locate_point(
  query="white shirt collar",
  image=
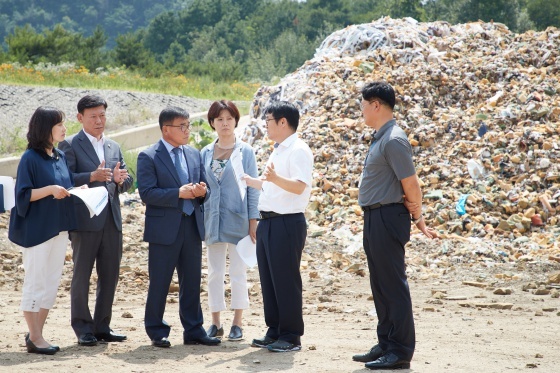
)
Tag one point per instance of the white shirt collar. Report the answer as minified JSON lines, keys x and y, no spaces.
{"x":94,"y":140}
{"x":289,"y":140}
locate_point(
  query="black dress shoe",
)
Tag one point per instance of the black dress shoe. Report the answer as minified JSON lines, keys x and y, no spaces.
{"x":206,"y":340}
{"x":32,"y":349}
{"x":388,"y":361}
{"x":53,"y":346}
{"x":110,"y":337}
{"x":162,"y":342}
{"x":87,"y":339}
{"x":373,"y":354}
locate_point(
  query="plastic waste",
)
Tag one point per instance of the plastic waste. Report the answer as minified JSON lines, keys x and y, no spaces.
{"x":475,"y":169}
{"x":460,"y":208}
{"x":482,"y":130}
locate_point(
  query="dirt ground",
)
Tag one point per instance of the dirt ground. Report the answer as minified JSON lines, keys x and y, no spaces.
{"x":461,"y":325}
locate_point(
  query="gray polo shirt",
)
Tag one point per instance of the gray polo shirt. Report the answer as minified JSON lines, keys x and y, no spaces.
{"x":389,"y":160}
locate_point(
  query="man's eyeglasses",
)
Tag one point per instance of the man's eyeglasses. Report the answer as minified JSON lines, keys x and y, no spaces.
{"x":361,"y":104}
{"x":183,"y":127}
{"x":266,"y":120}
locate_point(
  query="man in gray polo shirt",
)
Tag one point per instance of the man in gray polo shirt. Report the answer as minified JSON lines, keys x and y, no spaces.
{"x":388,"y":174}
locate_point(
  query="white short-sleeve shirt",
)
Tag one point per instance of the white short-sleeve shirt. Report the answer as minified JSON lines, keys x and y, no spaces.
{"x":293,"y":160}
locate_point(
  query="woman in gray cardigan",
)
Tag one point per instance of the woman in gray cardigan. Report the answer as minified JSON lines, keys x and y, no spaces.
{"x":227,"y":217}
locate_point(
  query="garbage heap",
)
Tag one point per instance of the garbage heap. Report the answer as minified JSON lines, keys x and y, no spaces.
{"x":480,"y":106}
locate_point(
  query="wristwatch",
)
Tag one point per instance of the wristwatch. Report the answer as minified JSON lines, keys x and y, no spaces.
{"x":416,"y":221}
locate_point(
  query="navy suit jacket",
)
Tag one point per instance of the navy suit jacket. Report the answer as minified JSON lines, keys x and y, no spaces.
{"x":82,"y":161}
{"x":158,"y":185}
{"x":32,"y":223}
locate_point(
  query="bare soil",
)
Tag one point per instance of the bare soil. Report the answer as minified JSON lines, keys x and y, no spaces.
{"x":458,"y":333}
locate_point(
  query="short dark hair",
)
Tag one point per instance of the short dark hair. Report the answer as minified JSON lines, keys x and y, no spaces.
{"x":379,"y":91}
{"x":217,"y":107}
{"x":91,"y":101}
{"x":39,"y":133}
{"x":284,"y":109}
{"x":168,"y":115}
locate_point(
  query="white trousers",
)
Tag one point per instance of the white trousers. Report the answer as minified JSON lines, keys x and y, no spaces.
{"x":43,"y":268}
{"x":217,"y":273}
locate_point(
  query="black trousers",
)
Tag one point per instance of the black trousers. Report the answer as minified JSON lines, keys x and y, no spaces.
{"x":280,"y":242}
{"x":104,"y":249}
{"x":386,"y":232}
{"x":185,"y":254}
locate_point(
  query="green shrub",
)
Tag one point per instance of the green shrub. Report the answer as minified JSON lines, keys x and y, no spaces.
{"x":131,"y":159}
{"x":201,"y":134}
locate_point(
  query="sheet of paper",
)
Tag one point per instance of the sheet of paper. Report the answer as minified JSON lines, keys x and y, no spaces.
{"x":95,"y":198}
{"x":9,"y":192}
{"x":247,"y":250}
{"x":236,"y":161}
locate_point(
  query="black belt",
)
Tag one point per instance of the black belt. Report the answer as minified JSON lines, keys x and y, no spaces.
{"x":268,"y":214}
{"x":378,"y":205}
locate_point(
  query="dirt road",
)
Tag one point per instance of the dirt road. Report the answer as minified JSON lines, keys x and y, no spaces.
{"x":462,"y":326}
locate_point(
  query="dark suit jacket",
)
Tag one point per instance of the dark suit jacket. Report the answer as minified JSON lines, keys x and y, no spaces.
{"x":82,"y":161}
{"x":32,"y":223}
{"x":158,"y":185}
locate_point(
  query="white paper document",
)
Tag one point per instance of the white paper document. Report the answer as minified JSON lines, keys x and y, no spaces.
{"x":95,"y":198}
{"x":236,"y":161}
{"x":9,"y":192}
{"x":247,"y":250}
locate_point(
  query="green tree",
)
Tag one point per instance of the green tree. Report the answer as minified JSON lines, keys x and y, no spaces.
{"x":130,"y":52}
{"x":288,"y":52}
{"x":57,"y":45}
{"x":162,"y":31}
{"x":92,"y":50}
{"x":443,"y":10}
{"x":544,"y":13}
{"x":504,"y":11}
{"x":408,"y":8}
{"x":365,"y":11}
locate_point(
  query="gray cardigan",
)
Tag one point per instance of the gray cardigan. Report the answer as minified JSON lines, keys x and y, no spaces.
{"x":226,"y":216}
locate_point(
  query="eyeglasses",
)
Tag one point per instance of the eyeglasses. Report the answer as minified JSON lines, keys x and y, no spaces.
{"x":183,"y":127}
{"x":361,"y":104}
{"x":269,"y":119}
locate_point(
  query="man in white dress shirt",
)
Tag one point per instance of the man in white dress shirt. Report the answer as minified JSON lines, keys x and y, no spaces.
{"x":285,"y":190}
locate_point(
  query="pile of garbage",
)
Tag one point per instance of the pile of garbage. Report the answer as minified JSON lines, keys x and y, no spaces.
{"x":480,"y":106}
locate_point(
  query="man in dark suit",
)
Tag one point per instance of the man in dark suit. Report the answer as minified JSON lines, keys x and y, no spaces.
{"x":172,"y":184}
{"x":96,"y":161}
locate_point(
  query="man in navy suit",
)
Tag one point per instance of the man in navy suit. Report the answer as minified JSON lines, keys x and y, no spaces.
{"x":96,"y":161}
{"x":172,"y":184}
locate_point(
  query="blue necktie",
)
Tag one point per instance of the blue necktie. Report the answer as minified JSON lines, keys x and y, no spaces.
{"x":188,"y":206}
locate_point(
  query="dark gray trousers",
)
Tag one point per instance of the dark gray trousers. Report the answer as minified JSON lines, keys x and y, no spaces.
{"x":104,"y":249}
